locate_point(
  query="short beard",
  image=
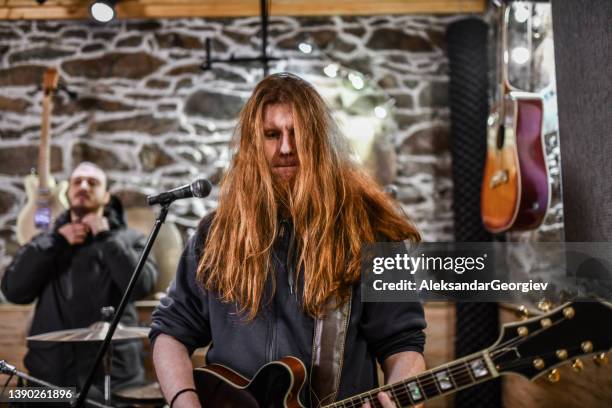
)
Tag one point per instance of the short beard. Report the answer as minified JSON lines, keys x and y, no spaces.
{"x":82,"y":211}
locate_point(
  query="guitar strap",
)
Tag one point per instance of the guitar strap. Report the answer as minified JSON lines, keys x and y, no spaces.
{"x":328,"y":352}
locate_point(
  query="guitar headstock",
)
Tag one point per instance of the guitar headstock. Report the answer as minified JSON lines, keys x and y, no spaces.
{"x":50,"y":80}
{"x":533,"y":347}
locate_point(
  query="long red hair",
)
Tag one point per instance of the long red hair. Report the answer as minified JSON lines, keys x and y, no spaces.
{"x":334,"y":205}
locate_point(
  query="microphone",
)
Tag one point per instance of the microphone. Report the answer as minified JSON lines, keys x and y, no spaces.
{"x":199,"y":188}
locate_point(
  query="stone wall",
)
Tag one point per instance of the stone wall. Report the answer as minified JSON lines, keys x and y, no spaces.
{"x":148,"y":114}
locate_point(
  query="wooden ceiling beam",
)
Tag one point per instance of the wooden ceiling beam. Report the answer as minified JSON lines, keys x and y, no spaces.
{"x":128,"y":9}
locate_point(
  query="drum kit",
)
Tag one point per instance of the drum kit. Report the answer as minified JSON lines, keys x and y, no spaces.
{"x":146,"y":395}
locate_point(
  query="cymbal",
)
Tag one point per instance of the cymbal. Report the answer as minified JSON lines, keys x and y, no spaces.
{"x":95,"y":332}
{"x":143,"y":394}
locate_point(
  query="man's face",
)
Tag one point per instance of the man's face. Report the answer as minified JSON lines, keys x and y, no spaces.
{"x":279,"y":141}
{"x":87,"y":192}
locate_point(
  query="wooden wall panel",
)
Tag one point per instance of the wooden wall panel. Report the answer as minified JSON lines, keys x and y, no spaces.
{"x":78,"y":9}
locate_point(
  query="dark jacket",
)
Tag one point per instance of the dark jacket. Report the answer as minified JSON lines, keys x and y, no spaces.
{"x":72,"y":283}
{"x":197,"y":317}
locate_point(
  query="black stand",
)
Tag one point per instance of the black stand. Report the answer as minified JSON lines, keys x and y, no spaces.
{"x":124,"y":301}
{"x":6,"y":368}
{"x":263,"y":58}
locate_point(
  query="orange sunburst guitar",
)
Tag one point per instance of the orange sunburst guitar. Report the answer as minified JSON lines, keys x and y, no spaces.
{"x":45,"y":199}
{"x":515,"y":192}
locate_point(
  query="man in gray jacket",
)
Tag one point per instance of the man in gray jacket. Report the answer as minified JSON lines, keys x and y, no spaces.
{"x":83,"y":264}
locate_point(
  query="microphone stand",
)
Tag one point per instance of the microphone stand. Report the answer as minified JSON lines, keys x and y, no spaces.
{"x":6,"y":368}
{"x":124,"y":301}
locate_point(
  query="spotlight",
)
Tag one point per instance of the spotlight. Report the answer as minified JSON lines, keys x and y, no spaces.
{"x":356,"y":81}
{"x":103,"y":11}
{"x":521,"y":13}
{"x":520,"y":55}
{"x":331,"y":70}
{"x":305,"y":48}
{"x":380,"y":112}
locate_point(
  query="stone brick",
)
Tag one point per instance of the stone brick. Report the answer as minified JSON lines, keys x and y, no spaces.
{"x":183,"y":83}
{"x":104,"y":158}
{"x":433,"y":140}
{"x":93,"y":47}
{"x":141,"y":123}
{"x":114,"y":65}
{"x":435,"y":94}
{"x":356,"y":31}
{"x":176,"y":40}
{"x":157,"y":84}
{"x":437,"y":38}
{"x":63,"y":106}
{"x":143,"y":25}
{"x":132,"y":41}
{"x":20,"y":160}
{"x":80,"y":34}
{"x":7,"y":200}
{"x":153,"y":157}
{"x":13,"y":105}
{"x":22,"y":75}
{"x":186,"y":69}
{"x":390,"y":39}
{"x":104,"y":35}
{"x":213,"y":105}
{"x":402,"y":100}
{"x":387,"y":81}
{"x":8,"y":35}
{"x":131,"y":198}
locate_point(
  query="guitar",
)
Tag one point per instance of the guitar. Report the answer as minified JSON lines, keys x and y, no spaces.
{"x":531,"y":348}
{"x":45,"y":199}
{"x":515,"y":193}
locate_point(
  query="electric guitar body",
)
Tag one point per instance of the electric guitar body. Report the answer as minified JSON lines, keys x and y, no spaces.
{"x":40,"y":208}
{"x":275,"y":385}
{"x":45,"y":199}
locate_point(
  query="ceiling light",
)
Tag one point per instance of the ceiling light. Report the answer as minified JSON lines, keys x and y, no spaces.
{"x":103,"y":11}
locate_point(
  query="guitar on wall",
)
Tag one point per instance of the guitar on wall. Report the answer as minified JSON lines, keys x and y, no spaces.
{"x":531,"y":348}
{"x":515,"y":193}
{"x":45,"y":199}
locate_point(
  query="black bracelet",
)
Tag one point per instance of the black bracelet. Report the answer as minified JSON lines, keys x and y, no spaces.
{"x":181,"y":392}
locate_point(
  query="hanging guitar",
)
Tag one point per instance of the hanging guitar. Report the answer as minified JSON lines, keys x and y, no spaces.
{"x":531,"y":348}
{"x":515,"y":193}
{"x":45,"y":199}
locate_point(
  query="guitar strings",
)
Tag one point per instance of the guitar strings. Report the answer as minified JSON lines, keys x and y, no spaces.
{"x":460,"y":372}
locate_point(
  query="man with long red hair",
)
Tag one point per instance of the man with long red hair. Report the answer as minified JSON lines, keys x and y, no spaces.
{"x":282,"y":252}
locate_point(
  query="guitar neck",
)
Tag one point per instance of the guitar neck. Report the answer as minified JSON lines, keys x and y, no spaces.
{"x":44,"y":150}
{"x":442,"y":380}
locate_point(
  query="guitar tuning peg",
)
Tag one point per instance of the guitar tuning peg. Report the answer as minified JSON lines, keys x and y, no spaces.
{"x":544,"y":305}
{"x":522,"y":312}
{"x":601,"y":359}
{"x":577,"y":365}
{"x":553,"y":376}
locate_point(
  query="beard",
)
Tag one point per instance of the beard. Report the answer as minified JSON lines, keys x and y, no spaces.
{"x":82,"y":208}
